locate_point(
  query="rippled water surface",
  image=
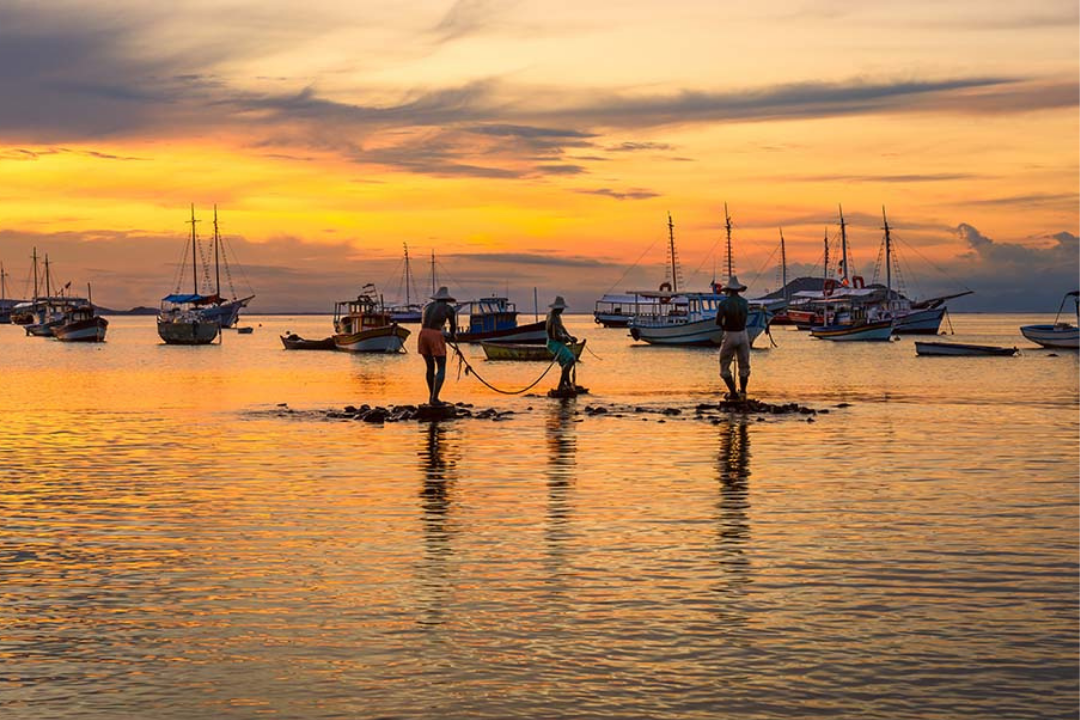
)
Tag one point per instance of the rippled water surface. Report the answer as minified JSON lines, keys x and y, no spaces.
{"x":175,"y":545}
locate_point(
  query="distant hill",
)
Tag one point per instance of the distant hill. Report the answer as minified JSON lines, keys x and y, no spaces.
{"x":802,"y":284}
{"x":140,"y":310}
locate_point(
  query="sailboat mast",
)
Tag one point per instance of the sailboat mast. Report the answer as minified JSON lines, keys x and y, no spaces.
{"x":730,"y":259}
{"x":826,"y":255}
{"x":888,"y":260}
{"x":36,"y":291}
{"x":48,"y":285}
{"x":3,"y":282}
{"x":433,"y":272}
{"x":783,"y":266}
{"x":843,"y":244}
{"x":194,"y":252}
{"x":408,"y":275}
{"x":89,"y":296}
{"x":671,"y":241}
{"x":217,"y":256}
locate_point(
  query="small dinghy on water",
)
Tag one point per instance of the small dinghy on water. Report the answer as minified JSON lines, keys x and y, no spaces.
{"x":940,"y":349}
{"x":292,"y":341}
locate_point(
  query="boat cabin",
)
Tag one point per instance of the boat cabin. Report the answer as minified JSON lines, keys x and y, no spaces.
{"x":364,"y":313}
{"x":490,"y":314}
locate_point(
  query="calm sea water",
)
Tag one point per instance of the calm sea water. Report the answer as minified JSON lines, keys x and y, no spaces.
{"x":175,"y":546}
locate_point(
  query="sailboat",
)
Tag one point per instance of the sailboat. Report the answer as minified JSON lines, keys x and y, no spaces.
{"x":697,"y":324}
{"x":850,"y":316}
{"x":181,"y":320}
{"x":410,"y":312}
{"x":224,"y":312}
{"x":47,"y":311}
{"x":7,"y":305}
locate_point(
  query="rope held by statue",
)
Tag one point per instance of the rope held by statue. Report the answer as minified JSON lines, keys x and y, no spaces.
{"x":470,"y":370}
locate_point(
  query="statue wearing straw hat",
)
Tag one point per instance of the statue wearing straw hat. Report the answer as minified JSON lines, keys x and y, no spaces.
{"x":731,"y":316}
{"x":432,"y":343}
{"x":558,"y":343}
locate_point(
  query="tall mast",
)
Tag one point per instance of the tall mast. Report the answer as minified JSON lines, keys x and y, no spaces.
{"x":433,"y":271}
{"x":783,"y":266}
{"x":674,"y":267}
{"x":826,"y":254}
{"x":217,"y":258}
{"x":194,"y":252}
{"x":89,"y":296}
{"x":408,"y":275}
{"x":3,"y":282}
{"x":843,"y":244}
{"x":48,"y":286}
{"x":730,"y":259}
{"x":888,"y":260}
{"x":36,"y":292}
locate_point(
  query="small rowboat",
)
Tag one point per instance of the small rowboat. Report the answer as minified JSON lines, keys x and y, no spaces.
{"x":881,"y":331}
{"x":292,"y":341}
{"x":956,"y":349}
{"x":523,"y":351}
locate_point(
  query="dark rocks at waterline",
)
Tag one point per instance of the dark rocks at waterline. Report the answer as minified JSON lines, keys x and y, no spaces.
{"x":424,"y":413}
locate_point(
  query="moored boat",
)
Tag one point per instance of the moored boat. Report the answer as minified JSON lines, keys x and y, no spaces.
{"x":524,"y":351}
{"x":880,"y":330}
{"x":364,"y":325}
{"x":292,"y":341}
{"x":495,"y":318}
{"x":182,"y":319}
{"x":697,"y":326}
{"x":1062,"y":335}
{"x":82,"y":324}
{"x":941,"y":349}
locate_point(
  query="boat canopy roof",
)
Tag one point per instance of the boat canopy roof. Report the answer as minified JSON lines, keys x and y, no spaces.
{"x":618,"y":298}
{"x":179,"y":298}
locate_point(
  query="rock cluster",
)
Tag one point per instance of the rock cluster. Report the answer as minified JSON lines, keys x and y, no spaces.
{"x":400,"y":413}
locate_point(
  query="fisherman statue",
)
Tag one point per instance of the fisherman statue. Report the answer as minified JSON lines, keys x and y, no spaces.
{"x":432,"y":341}
{"x":731,"y":317}
{"x":558,"y":343}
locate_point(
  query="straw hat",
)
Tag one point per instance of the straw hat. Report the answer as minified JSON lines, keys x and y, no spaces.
{"x":734,"y":284}
{"x":559,"y":303}
{"x":443,"y":294}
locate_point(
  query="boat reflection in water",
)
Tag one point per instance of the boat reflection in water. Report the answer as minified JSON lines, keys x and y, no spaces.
{"x":733,"y":521}
{"x":438,"y":464}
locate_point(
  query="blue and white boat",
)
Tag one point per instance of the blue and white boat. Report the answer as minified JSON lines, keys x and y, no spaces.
{"x":697,"y":326}
{"x":1060,"y":334}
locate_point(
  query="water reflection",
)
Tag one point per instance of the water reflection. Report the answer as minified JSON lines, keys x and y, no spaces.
{"x":438,"y":464}
{"x":561,"y":435}
{"x":733,"y":520}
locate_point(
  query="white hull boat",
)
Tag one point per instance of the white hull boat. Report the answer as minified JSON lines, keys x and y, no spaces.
{"x":1059,"y":335}
{"x":919,"y":322}
{"x":387,"y":339}
{"x":691,"y":330}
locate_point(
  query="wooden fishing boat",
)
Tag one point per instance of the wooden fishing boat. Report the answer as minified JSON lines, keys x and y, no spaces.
{"x":81,"y":323}
{"x":495,"y":318}
{"x":524,"y":351}
{"x":1061,"y":335}
{"x":292,"y":341}
{"x":940,"y":349}
{"x":881,"y":330}
{"x":364,"y":325}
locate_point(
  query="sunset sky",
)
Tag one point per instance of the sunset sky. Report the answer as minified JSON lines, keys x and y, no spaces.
{"x":540,"y":144}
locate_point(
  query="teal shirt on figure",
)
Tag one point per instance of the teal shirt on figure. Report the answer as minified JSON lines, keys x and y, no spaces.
{"x":732,"y":313}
